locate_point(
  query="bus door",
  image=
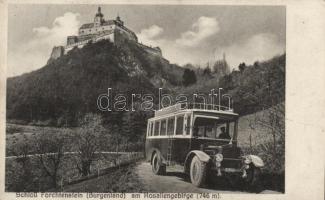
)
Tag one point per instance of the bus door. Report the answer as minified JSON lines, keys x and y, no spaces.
{"x":181,"y":144}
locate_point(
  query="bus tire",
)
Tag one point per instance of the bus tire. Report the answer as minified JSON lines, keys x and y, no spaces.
{"x":198,"y":172}
{"x":156,"y":165}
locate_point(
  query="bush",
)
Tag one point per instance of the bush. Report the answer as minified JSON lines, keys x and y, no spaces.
{"x":189,"y":77}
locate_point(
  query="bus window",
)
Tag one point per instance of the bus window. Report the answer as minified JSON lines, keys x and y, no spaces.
{"x":210,"y":132}
{"x":225,"y":130}
{"x":204,"y":127}
{"x":163,"y":127}
{"x":171,"y":124}
{"x":152,"y":129}
{"x":149,"y":129}
{"x":157,"y":123}
{"x":231,"y":129}
{"x":188,"y":124}
{"x":201,"y":131}
{"x":212,"y":128}
{"x":179,"y":124}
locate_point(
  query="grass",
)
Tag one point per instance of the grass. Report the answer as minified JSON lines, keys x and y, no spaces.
{"x":16,"y":133}
{"x":18,"y":128}
{"x":32,"y":177}
{"x":123,"y":179}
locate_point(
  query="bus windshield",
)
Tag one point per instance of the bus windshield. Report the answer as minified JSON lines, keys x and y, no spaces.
{"x":213,"y":128}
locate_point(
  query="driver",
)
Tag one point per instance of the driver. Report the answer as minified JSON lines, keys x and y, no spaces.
{"x":224,"y":134}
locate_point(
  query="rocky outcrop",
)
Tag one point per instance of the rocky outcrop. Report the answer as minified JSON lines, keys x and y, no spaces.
{"x":57,"y":52}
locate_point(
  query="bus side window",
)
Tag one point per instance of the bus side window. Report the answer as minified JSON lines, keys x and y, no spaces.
{"x":152,"y":129}
{"x":170,"y":127}
{"x":163,"y":127}
{"x":149,"y":129}
{"x":231,"y":129}
{"x":157,"y":124}
{"x":187,"y":124}
{"x":179,"y":124}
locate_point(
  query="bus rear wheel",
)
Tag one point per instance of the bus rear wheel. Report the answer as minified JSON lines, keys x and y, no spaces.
{"x":198,"y":171}
{"x":156,"y":165}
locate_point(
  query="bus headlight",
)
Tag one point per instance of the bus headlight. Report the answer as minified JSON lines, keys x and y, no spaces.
{"x":219,"y":157}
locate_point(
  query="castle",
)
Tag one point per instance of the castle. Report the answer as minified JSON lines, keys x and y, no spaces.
{"x":113,"y":30}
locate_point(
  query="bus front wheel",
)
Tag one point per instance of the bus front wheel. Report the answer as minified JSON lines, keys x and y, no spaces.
{"x":198,"y":171}
{"x":157,"y":167}
{"x":254,"y":179}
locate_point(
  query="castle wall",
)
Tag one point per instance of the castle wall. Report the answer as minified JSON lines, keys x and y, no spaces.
{"x":85,"y":37}
{"x":152,"y":50}
{"x":72,"y":40}
{"x":109,"y":36}
{"x":116,"y":36}
{"x":57,"y":52}
{"x":96,"y":30}
{"x":102,"y":29}
{"x":126,"y":33}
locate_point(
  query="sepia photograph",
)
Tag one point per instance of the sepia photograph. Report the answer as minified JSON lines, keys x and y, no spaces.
{"x":108,"y":98}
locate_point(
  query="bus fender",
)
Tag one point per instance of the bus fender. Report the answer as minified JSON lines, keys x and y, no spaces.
{"x":257,"y":161}
{"x":200,"y":154}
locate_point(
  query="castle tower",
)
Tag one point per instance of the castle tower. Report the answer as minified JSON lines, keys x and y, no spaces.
{"x":118,"y":20}
{"x":99,"y":18}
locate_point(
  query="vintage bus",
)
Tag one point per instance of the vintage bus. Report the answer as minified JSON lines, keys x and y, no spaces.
{"x":202,"y":139}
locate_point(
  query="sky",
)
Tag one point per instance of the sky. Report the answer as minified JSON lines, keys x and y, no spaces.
{"x":194,"y":34}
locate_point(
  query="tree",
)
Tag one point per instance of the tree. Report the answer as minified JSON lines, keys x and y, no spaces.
{"x":117,"y":125}
{"x":221,"y":68}
{"x":189,"y":77}
{"x":242,"y":67}
{"x":127,"y":132}
{"x":271,"y":119}
{"x":89,"y":138}
{"x":50,"y":152}
{"x":22,"y":148}
{"x":256,"y":64}
{"x":137,"y":123}
{"x":207,"y":71}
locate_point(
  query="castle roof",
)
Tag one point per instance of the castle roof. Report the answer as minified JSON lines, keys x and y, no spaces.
{"x":88,"y":25}
{"x":105,"y":23}
{"x":109,"y":22}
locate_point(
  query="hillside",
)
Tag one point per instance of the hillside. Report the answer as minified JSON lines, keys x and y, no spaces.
{"x":253,"y":88}
{"x":68,"y":87}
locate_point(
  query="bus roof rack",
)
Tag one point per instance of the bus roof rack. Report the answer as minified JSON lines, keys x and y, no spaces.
{"x":199,"y":106}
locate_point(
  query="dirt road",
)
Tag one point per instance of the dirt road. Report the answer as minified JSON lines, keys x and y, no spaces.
{"x":174,"y":181}
{"x":138,"y":177}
